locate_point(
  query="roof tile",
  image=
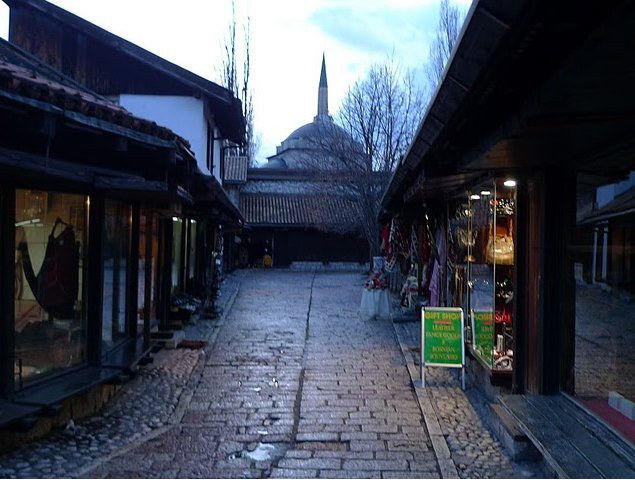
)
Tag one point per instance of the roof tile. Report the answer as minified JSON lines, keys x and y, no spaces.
{"x":298,"y":210}
{"x":236,"y":169}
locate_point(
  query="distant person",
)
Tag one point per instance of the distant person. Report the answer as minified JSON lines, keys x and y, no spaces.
{"x":267,"y":260}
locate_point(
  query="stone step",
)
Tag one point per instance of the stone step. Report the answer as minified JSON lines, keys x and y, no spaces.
{"x":509,"y":434}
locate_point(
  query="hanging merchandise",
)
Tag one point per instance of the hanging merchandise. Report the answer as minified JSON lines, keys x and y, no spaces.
{"x":385,"y":239}
{"x":430,"y":255}
{"x":504,"y":206}
{"x":387,"y":247}
{"x":397,"y":245}
{"x":465,"y":238}
{"x":409,"y":292}
{"x":500,"y":247}
{"x":56,"y":285}
{"x":414,"y":245}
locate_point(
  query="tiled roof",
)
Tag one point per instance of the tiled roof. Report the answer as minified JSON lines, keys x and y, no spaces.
{"x":297,"y":210}
{"x":236,"y":169}
{"x":21,"y":74}
{"x":227,"y":108}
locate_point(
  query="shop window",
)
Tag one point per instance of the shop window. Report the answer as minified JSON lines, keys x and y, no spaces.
{"x":177,"y":255}
{"x":116,"y":258}
{"x":603,"y":251}
{"x":191,"y":269}
{"x":490,"y":271}
{"x":457,"y":260}
{"x":50,"y":319}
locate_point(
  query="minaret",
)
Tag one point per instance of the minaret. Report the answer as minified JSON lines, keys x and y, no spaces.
{"x":323,"y":93}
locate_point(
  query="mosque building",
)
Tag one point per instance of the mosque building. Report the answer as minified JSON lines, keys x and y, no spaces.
{"x":292,"y":211}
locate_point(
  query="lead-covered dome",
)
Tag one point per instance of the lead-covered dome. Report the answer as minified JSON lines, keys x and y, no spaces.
{"x":313,"y":145}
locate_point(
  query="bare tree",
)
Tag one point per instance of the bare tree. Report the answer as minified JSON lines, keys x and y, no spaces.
{"x":355,"y":154}
{"x":239,"y":84}
{"x":450,"y":21}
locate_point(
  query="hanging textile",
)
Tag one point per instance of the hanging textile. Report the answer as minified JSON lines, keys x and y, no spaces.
{"x":398,"y":245}
{"x":414,"y":245}
{"x":56,"y":285}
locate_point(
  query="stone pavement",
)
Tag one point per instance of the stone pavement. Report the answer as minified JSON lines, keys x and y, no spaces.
{"x":459,"y":417}
{"x":145,"y":406}
{"x":605,"y":335}
{"x":292,"y":384}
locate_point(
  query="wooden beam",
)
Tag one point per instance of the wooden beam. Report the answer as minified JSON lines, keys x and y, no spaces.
{"x":132,"y":280}
{"x":95,"y":272}
{"x":147,"y":294}
{"x":7,"y":295}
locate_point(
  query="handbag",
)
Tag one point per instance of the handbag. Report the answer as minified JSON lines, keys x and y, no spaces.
{"x":500,"y":248}
{"x":56,"y":285}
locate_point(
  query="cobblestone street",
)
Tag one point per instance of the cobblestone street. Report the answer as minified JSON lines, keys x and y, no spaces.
{"x":291,"y":384}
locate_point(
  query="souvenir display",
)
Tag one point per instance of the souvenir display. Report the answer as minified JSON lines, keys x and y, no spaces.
{"x":483,"y":237}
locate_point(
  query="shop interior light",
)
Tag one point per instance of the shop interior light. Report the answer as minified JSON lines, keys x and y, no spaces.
{"x":175,"y":219}
{"x":510,"y":183}
{"x":485,"y":193}
{"x":475,"y":196}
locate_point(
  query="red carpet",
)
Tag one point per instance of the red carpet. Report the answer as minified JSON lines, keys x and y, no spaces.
{"x":611,"y":416}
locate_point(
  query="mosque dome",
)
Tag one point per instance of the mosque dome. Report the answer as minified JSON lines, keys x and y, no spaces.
{"x":305,"y":132}
{"x":308,"y":138}
{"x":307,"y":135}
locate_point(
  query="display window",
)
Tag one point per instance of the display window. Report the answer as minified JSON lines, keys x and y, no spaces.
{"x":177,"y":258}
{"x":459,"y":240}
{"x":490,"y":270}
{"x":50,"y":318}
{"x":191,"y":252}
{"x":116,"y":258}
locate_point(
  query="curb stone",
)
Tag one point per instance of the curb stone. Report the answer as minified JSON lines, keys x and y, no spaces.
{"x":439,"y":443}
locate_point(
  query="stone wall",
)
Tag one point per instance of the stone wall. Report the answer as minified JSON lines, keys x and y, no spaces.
{"x":329,"y":267}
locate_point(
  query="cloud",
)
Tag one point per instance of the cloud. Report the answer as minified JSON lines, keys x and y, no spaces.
{"x":378,"y":29}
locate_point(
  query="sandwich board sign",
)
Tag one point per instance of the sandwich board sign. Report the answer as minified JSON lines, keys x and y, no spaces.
{"x":483,"y":334}
{"x":442,"y":341}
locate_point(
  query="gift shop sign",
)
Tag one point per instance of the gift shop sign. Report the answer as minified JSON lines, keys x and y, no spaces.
{"x":483,"y":334}
{"x":442,"y":339}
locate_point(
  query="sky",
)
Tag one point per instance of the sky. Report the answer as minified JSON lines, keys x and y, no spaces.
{"x":288,"y":38}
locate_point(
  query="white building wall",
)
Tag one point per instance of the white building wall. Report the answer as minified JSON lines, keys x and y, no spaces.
{"x":183,"y":115}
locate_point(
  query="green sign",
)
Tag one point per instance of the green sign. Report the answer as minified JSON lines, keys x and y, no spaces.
{"x":442,"y":337}
{"x":483,"y":334}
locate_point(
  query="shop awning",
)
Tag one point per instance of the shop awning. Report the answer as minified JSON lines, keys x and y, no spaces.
{"x":139,"y":188}
{"x":530,"y":84}
{"x":18,"y":164}
{"x":211,"y":200}
{"x":623,"y":205}
{"x":441,"y":187}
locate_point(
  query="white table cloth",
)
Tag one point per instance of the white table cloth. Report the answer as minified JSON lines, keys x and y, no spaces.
{"x":375,"y":303}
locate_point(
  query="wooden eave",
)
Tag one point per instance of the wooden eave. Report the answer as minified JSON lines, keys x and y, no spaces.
{"x":531,"y":84}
